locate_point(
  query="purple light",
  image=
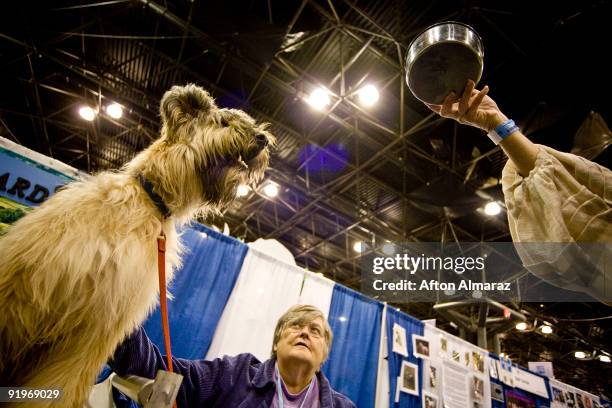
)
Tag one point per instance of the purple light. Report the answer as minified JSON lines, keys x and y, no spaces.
{"x":330,"y":159}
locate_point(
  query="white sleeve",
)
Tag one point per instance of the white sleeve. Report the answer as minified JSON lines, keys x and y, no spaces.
{"x":564,"y":199}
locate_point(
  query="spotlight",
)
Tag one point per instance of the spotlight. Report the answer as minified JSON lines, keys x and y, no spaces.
{"x":546,"y":329}
{"x":604,"y":359}
{"x":368,"y":95}
{"x":358,"y":246}
{"x":271,"y":190}
{"x":492,"y":208}
{"x":342,"y":318}
{"x":579,"y":354}
{"x":114,"y":110}
{"x":318,"y":99}
{"x":87,"y":113}
{"x":502,"y":355}
{"x":522,"y":326}
{"x":242,"y":190}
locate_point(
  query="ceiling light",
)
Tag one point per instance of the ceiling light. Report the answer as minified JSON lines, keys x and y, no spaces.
{"x":521,"y":326}
{"x":87,"y":113}
{"x":579,"y":354}
{"x":319,"y":99}
{"x":546,"y":329}
{"x":358,"y":246}
{"x":368,"y":95}
{"x":604,"y":359}
{"x":114,"y":110}
{"x":502,"y":355}
{"x":242,"y":190}
{"x":271,"y":190}
{"x":492,"y":208}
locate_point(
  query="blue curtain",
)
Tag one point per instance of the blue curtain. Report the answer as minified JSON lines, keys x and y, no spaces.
{"x":211,"y":265}
{"x":353,"y":361}
{"x":412,"y":326}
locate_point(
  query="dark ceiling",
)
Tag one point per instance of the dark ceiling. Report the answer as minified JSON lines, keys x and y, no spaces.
{"x":393,"y":172}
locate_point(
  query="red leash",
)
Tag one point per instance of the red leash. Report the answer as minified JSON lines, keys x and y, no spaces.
{"x":161,"y":265}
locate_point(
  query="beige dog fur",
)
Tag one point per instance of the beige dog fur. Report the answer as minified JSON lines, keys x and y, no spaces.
{"x":79,"y":273}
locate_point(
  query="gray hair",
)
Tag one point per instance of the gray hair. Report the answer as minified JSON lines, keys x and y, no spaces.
{"x":302,"y":314}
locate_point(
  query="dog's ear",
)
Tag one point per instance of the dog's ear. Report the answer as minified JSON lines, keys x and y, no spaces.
{"x":182,"y":104}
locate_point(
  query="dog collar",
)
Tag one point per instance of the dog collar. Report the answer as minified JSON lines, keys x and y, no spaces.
{"x":157,"y":200}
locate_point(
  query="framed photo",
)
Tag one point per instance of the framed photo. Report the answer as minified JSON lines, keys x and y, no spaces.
{"x":420,"y":346}
{"x":456,"y":356}
{"x":492,"y":368}
{"x":558,"y":395}
{"x":429,"y":400}
{"x":478,"y":361}
{"x":497,"y":392}
{"x":433,"y":377}
{"x":443,"y":350}
{"x":477,"y":388}
{"x":569,"y":399}
{"x":409,"y":376}
{"x":400,"y":346}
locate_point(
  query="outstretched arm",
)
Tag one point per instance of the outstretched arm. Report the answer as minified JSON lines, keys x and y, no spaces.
{"x":477,"y":109}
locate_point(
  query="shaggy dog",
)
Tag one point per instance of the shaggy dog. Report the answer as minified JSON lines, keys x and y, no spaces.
{"x":79,"y":273}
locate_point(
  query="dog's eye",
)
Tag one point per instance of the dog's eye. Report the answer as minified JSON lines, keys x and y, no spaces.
{"x":224,"y":122}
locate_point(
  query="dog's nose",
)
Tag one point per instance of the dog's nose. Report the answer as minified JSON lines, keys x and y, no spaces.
{"x":261,"y":140}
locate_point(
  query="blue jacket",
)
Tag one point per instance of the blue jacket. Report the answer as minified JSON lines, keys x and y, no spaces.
{"x":241,"y":381}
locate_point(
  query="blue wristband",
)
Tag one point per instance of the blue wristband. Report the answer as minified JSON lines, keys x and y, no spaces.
{"x":502,"y":131}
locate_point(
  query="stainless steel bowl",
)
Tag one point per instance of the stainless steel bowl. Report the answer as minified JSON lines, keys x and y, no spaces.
{"x":441,"y":59}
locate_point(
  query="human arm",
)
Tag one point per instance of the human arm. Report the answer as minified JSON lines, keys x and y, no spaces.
{"x":550,"y":197}
{"x":476,"y":108}
{"x":137,"y":355}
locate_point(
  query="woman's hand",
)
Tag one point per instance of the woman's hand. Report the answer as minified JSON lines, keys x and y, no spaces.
{"x":477,"y":109}
{"x":474,"y":108}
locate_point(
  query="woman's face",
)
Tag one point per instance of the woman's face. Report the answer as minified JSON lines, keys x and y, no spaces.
{"x":299,"y":344}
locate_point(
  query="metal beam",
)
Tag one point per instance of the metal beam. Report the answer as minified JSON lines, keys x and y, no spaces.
{"x":39,"y":105}
{"x":317,"y":189}
{"x":273,"y":81}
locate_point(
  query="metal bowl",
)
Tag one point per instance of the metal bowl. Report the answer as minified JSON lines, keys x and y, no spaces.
{"x":441,"y":59}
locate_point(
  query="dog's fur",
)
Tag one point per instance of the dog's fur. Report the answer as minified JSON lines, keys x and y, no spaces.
{"x":79,"y":273}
